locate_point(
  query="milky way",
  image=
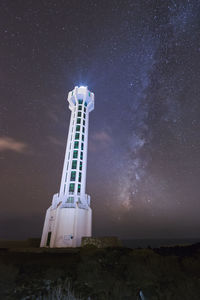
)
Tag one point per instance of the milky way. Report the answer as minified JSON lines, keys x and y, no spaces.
{"x":142,"y":61}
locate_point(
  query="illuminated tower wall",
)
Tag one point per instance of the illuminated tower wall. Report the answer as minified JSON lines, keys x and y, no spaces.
{"x":69,"y":218}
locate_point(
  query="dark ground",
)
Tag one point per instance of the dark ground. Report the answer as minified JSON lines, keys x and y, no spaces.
{"x":101,"y":274}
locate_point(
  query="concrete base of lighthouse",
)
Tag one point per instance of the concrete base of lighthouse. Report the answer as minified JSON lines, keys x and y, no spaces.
{"x":65,"y":226}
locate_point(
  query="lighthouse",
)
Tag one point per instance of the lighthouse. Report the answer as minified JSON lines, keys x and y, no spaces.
{"x":69,"y":218}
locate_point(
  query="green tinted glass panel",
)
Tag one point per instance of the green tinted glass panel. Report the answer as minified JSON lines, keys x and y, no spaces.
{"x":74,"y":164}
{"x":75,"y":154}
{"x":80,"y":167}
{"x":75,"y":145}
{"x":79,"y":114}
{"x":89,"y":94}
{"x":85,"y":104}
{"x":83,"y":129}
{"x":80,"y":101}
{"x":79,"y":188}
{"x":81,"y":156}
{"x":73,"y":176}
{"x":70,"y":200}
{"x":80,"y":107}
{"x":84,"y":109}
{"x":78,"y":127}
{"x":81,"y":146}
{"x":71,"y":187}
{"x":83,"y":122}
{"x":78,"y":121}
{"x":76,"y":136}
{"x":82,"y":137}
{"x":79,"y":177}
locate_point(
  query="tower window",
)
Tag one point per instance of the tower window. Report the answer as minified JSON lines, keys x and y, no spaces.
{"x":79,"y":177}
{"x":84,"y":115}
{"x":83,"y":129}
{"x":80,"y":107}
{"x":83,"y":122}
{"x":74,"y":164}
{"x":81,"y":146}
{"x":82,"y":137}
{"x":78,"y":121}
{"x":81,"y":156}
{"x":76,"y":145}
{"x":78,"y":127}
{"x":79,"y":188}
{"x":85,"y":104}
{"x":77,"y":136}
{"x":84,"y":109}
{"x":73,"y":176}
{"x":80,"y":101}
{"x":71,"y":187}
{"x":79,"y":113}
{"x":89,"y":94}
{"x":80,"y":167}
{"x":75,"y":154}
{"x":70,"y":200}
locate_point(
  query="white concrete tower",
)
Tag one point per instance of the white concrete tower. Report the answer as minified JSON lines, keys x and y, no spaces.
{"x":69,"y":218}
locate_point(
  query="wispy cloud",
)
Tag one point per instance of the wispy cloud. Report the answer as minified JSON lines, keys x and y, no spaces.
{"x":100,"y":140}
{"x":10,"y":144}
{"x":102,"y":137}
{"x":53,"y":116}
{"x":55,"y":141}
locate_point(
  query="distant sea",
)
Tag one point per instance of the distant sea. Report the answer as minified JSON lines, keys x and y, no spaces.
{"x":156,"y":243}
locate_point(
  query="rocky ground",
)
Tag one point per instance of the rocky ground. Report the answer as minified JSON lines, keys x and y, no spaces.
{"x":100,"y":274}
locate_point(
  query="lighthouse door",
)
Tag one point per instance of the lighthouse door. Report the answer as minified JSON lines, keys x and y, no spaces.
{"x":48,"y":239}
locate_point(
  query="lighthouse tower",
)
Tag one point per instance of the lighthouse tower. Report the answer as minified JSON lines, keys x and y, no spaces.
{"x":69,"y":217}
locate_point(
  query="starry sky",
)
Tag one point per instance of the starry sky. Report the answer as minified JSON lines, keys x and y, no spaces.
{"x":141,"y":59}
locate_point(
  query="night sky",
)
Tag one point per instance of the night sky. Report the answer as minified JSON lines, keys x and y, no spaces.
{"x":142,"y":61}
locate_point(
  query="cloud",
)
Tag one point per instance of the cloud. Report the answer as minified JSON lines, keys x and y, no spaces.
{"x":99,"y":141}
{"x":53,"y":116}
{"x":10,"y":144}
{"x":102,"y":137}
{"x":53,"y":140}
